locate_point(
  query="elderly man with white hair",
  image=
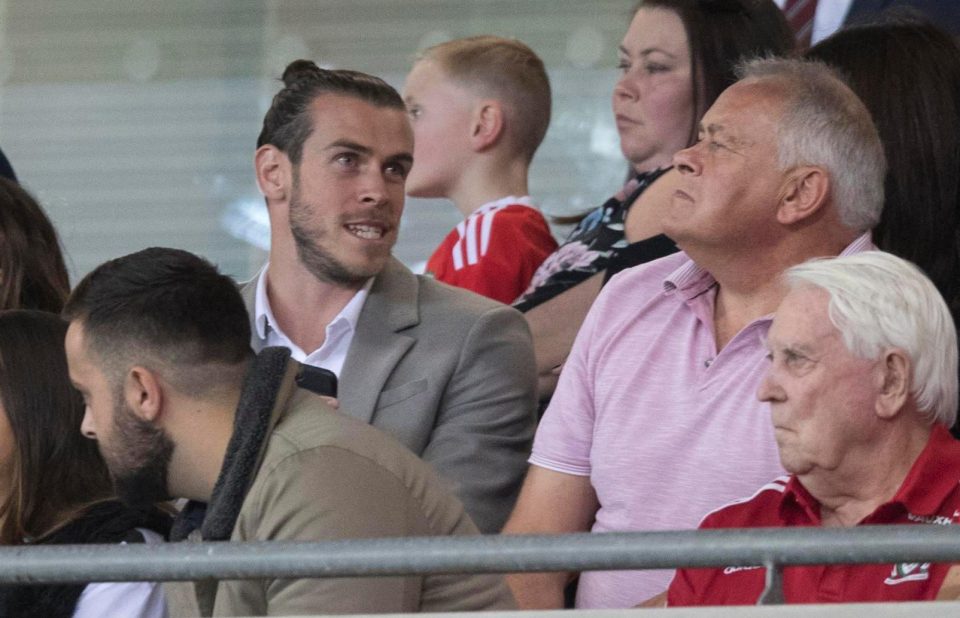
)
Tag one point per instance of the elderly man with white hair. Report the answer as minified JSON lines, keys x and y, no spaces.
{"x":862,"y":387}
{"x":655,"y":422}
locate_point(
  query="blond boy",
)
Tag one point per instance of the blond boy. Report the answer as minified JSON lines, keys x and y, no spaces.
{"x":480,"y":107}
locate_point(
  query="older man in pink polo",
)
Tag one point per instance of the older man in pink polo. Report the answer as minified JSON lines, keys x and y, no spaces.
{"x":655,"y":421}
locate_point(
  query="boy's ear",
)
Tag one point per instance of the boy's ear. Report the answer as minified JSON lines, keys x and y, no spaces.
{"x":273,"y":171}
{"x":488,"y":124}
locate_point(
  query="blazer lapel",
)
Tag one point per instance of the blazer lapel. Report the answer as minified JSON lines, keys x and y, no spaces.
{"x":378,"y":345}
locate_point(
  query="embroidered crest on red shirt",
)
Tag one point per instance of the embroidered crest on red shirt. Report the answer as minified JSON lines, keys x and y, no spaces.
{"x":908,"y":572}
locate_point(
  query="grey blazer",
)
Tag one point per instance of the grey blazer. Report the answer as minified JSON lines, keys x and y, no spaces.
{"x":449,"y":374}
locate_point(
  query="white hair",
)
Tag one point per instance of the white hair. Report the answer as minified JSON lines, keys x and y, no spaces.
{"x":825,"y":124}
{"x":879,"y":301}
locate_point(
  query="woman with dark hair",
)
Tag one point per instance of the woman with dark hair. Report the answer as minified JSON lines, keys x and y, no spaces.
{"x":908,"y":75}
{"x":907,"y":72}
{"x":54,"y":486}
{"x":676,"y":58}
{"x":6,"y":170}
{"x":32,"y":271}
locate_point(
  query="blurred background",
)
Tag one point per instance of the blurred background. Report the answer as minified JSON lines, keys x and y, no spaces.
{"x":133,"y":122}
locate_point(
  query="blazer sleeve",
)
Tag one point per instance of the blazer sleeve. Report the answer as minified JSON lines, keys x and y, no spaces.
{"x":487,"y":416}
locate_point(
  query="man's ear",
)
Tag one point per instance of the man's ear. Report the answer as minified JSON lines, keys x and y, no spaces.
{"x":895,"y":372}
{"x":274,"y":172}
{"x":143,"y":393}
{"x":488,"y":124}
{"x":805,"y":192}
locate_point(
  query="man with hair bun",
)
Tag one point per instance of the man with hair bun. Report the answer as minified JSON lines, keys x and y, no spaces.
{"x":449,"y":374}
{"x":862,"y":384}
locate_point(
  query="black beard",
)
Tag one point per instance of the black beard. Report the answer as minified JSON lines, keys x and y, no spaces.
{"x":140,"y":475}
{"x":315,"y":259}
{"x":318,"y":262}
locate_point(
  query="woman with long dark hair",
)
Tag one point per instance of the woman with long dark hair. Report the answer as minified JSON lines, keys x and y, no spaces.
{"x":907,"y":72}
{"x":54,"y":486}
{"x":33,"y":274}
{"x":908,"y":75}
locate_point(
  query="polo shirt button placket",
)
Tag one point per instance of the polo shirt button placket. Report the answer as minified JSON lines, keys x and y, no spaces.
{"x":832,"y":583}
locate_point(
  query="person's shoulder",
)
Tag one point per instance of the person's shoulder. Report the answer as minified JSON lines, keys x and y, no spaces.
{"x":505,"y":221}
{"x":451,"y":317}
{"x":314,"y":436}
{"x":309,"y":423}
{"x":526,"y":222}
{"x":441,"y":300}
{"x":757,"y":510}
{"x":444,"y":310}
{"x":518,"y":212}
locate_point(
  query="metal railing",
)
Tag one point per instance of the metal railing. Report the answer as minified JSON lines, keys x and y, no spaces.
{"x":766,"y":547}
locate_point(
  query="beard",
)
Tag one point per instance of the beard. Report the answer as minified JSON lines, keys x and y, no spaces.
{"x":139,"y":458}
{"x":319,"y":261}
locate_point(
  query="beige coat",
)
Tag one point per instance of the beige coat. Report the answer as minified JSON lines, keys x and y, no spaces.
{"x":324,"y":475}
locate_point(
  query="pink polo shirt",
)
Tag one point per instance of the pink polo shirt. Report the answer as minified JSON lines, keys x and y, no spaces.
{"x":666,"y":428}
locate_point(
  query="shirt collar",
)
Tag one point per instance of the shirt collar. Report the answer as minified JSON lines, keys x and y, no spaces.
{"x":690,"y":280}
{"x":796,"y":501}
{"x":932,"y":475}
{"x":350,"y":314}
{"x":510,"y":200}
{"x":863,"y":242}
{"x":263,"y":315}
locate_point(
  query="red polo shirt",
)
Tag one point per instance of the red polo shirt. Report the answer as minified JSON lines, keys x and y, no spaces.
{"x":929,"y":495}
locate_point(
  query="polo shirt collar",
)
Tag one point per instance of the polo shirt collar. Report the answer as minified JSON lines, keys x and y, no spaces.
{"x":932,"y":476}
{"x":690,"y":280}
{"x":796,"y":502}
{"x":863,"y":242}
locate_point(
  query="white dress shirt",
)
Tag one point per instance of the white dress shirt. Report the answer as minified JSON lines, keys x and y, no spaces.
{"x":339,"y":332}
{"x":828,"y":18}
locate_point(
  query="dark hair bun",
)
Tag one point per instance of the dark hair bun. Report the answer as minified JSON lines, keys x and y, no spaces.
{"x":297,"y":70}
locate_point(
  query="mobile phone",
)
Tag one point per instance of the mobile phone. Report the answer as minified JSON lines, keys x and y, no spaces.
{"x":317,"y":380}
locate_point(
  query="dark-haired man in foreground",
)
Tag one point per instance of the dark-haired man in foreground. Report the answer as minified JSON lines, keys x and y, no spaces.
{"x":449,"y":374}
{"x":158,"y":345}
